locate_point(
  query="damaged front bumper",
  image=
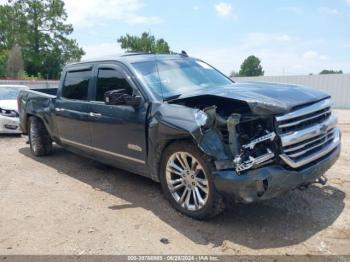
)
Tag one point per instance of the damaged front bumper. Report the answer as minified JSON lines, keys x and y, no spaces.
{"x":9,"y":125}
{"x":270,"y":181}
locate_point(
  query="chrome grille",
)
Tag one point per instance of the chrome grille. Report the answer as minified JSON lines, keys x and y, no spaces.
{"x":308,"y":146}
{"x":308,"y":133}
{"x":297,"y":120}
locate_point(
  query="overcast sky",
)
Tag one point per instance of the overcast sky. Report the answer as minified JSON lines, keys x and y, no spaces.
{"x":290,"y":37}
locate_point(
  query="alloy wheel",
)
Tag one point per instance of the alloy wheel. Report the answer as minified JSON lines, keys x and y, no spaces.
{"x":187,"y":181}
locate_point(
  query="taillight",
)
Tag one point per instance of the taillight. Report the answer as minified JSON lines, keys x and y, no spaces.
{"x":18,"y":104}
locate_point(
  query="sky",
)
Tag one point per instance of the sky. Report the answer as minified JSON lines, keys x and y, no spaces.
{"x":290,"y":37}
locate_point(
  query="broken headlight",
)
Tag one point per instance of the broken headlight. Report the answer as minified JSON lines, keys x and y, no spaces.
{"x":252,"y":157}
{"x":256,"y":141}
{"x":200,"y":117}
{"x":8,"y":113}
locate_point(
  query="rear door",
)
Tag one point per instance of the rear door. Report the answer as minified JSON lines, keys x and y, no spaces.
{"x":72,"y":109}
{"x":118,"y":131}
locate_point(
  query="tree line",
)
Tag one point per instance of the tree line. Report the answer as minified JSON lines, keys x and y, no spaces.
{"x":35,"y":42}
{"x":35,"y":39}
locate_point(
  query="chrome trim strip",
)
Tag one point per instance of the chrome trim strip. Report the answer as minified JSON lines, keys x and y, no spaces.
{"x":95,"y":115}
{"x":305,"y":119}
{"x":103,"y":151}
{"x":306,"y":110}
{"x":311,"y":148}
{"x":304,"y":134}
{"x":315,"y":156}
{"x":318,"y":138}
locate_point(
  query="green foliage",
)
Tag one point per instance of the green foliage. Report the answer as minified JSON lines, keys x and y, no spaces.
{"x":327,"y":72}
{"x":12,"y":27}
{"x":23,"y":75}
{"x":251,"y":67}
{"x":3,"y":60}
{"x":146,"y":43}
{"x":233,"y":74}
{"x":40,"y":28}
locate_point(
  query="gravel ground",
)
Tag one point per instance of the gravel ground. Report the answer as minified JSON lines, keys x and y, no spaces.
{"x":66,"y":204}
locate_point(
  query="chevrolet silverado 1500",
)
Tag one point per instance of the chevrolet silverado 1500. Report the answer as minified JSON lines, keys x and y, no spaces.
{"x":182,"y":123}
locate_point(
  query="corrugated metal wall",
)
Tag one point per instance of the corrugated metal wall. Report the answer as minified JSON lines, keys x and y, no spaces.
{"x":31,"y":84}
{"x":338,"y":86}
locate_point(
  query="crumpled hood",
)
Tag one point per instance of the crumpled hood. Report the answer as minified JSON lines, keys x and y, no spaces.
{"x":265,"y":98}
{"x":9,"y":105}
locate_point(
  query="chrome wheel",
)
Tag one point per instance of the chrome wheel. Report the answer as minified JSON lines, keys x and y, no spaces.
{"x":187,"y":181}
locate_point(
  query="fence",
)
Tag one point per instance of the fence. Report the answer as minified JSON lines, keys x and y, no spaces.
{"x":31,"y":84}
{"x":337,"y":85}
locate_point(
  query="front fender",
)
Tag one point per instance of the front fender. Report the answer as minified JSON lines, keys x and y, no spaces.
{"x":169,"y":123}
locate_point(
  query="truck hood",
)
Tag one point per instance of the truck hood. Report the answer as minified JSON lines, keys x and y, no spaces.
{"x":263,"y":98}
{"x":9,"y":104}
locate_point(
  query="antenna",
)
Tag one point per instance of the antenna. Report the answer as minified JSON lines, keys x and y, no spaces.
{"x":184,"y":53}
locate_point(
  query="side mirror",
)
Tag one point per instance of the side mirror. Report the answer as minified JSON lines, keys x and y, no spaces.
{"x":121,"y":97}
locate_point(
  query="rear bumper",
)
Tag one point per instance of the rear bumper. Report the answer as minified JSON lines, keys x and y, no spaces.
{"x":270,"y":181}
{"x":9,"y":125}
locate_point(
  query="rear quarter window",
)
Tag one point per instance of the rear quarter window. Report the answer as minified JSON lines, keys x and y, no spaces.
{"x":76,"y":85}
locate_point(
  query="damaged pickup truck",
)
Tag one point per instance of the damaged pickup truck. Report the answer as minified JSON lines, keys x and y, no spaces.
{"x":182,"y":123}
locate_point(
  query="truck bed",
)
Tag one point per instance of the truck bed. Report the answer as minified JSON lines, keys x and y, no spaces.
{"x":37,"y":102}
{"x":48,"y":91}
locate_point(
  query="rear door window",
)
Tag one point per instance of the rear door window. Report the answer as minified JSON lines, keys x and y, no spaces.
{"x":76,"y":85}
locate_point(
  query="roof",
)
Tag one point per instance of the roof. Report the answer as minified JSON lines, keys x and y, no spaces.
{"x":132,"y":58}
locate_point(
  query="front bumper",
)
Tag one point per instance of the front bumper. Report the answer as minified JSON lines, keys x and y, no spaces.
{"x":9,"y":125}
{"x":270,"y":181}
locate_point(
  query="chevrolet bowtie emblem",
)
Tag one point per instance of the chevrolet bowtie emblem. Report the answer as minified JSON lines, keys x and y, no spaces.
{"x":323,"y":129}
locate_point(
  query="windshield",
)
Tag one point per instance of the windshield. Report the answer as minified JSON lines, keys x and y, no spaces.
{"x":9,"y":93}
{"x":171,"y":78}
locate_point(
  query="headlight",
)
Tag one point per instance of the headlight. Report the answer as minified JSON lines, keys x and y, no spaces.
{"x":200,"y":117}
{"x":8,"y":113}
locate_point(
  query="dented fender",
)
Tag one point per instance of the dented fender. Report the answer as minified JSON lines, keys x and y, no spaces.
{"x":171,"y":122}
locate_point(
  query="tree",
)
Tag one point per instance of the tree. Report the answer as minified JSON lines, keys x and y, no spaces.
{"x":326,"y":72}
{"x":146,"y":43}
{"x":3,"y":61}
{"x":14,"y":66}
{"x":233,"y":74}
{"x":251,"y":67}
{"x":40,"y":28}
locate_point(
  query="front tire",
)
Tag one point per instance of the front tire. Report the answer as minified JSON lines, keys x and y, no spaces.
{"x":39,"y":139}
{"x":187,"y":181}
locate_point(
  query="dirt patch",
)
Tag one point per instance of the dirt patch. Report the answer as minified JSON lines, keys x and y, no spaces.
{"x":67,"y":204}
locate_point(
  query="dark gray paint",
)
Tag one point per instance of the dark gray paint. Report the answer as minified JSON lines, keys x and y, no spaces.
{"x":156,"y":123}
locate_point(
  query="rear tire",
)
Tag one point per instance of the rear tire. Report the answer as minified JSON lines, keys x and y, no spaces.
{"x":39,"y":139}
{"x":189,"y":187}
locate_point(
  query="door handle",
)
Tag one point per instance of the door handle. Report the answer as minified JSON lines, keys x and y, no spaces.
{"x":95,"y":115}
{"x":59,"y":109}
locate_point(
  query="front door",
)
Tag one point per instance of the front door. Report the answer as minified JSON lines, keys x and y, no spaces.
{"x":118,"y":131}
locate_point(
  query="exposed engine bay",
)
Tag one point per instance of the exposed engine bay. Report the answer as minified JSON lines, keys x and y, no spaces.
{"x":249,"y":139}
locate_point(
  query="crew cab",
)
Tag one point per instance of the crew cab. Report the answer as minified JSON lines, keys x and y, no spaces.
{"x":180,"y":122}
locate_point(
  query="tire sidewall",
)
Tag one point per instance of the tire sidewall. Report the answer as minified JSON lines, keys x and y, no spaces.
{"x":40,"y":143}
{"x":31,"y":125}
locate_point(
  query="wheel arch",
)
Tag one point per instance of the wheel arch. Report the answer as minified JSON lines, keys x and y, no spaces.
{"x":168,"y":143}
{"x":212,"y":201}
{"x":172,"y":123}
